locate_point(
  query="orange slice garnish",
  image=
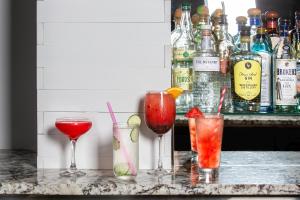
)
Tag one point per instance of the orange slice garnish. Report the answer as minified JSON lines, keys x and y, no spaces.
{"x":174,"y":91}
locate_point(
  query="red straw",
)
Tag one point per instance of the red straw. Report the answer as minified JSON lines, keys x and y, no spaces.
{"x":222,"y":99}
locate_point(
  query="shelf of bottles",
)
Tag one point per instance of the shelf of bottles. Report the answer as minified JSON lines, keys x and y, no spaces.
{"x":259,"y":66}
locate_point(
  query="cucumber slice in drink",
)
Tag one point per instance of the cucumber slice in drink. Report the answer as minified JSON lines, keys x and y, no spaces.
{"x":134,"y":120}
{"x":134,"y":135}
{"x":121,"y":169}
{"x":116,"y":143}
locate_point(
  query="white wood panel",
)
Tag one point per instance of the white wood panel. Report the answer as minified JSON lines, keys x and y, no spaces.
{"x":112,"y":55}
{"x":90,"y":100}
{"x":100,"y":11}
{"x":96,"y":143}
{"x":40,"y":33}
{"x":40,"y":122}
{"x":39,"y":78}
{"x":104,"y":78}
{"x":104,"y":34}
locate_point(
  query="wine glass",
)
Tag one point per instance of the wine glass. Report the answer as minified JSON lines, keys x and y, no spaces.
{"x":73,"y":127}
{"x":160,"y":112}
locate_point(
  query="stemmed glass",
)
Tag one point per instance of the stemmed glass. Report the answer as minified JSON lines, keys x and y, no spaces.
{"x":160,"y":113}
{"x":73,"y":127}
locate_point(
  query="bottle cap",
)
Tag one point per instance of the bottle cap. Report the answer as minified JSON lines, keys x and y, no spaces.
{"x":272,"y":14}
{"x":245,"y":31}
{"x":241,"y":20}
{"x":186,"y":6}
{"x":195,"y":18}
{"x":217,"y":13}
{"x":178,"y":13}
{"x":203,"y":10}
{"x":254,"y":12}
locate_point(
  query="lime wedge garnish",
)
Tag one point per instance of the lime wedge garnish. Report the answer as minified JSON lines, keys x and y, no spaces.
{"x":134,"y":135}
{"x":134,"y":120}
{"x":121,"y":169}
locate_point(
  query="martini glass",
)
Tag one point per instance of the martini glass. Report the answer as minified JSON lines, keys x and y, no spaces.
{"x":73,"y":127}
{"x":160,"y":113}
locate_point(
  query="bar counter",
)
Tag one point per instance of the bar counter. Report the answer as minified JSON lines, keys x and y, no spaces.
{"x":242,"y":174}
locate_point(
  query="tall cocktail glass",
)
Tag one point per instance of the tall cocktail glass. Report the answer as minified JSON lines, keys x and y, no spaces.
{"x":209,"y":132}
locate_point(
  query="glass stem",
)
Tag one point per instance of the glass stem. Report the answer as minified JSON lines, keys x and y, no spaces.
{"x":73,"y":162}
{"x":160,"y":164}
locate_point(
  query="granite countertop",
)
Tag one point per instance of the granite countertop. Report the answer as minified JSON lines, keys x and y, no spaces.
{"x":241,"y":173}
{"x":253,"y":120}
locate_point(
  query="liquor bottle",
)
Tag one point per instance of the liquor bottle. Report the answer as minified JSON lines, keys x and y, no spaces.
{"x":195,"y":22}
{"x":177,"y":31}
{"x":272,"y":27}
{"x":255,"y":22}
{"x":203,"y":14}
{"x":215,"y":19}
{"x":225,"y":48}
{"x":285,"y":77}
{"x":206,"y":63}
{"x":293,"y":32}
{"x":183,"y":53}
{"x":241,"y":21}
{"x":263,"y":48}
{"x":245,"y":76}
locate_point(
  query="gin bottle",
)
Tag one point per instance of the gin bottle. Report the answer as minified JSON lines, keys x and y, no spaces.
{"x":255,"y":22}
{"x":203,"y":14}
{"x":246,"y":70}
{"x":293,"y":33}
{"x":225,"y":48}
{"x":206,"y":63}
{"x":177,"y":31}
{"x":241,"y":21}
{"x":285,"y":73}
{"x":262,"y":47}
{"x":272,"y":27}
{"x":183,"y":53}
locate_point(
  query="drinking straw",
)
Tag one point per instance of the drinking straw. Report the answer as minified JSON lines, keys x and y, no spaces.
{"x":222,"y":99}
{"x":117,"y":135}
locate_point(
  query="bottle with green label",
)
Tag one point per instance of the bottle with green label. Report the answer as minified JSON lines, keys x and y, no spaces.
{"x":285,"y":72}
{"x":246,"y":72}
{"x":183,"y":53}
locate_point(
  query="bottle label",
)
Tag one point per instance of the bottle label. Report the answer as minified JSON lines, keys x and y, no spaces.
{"x":183,"y":78}
{"x":247,"y":79}
{"x":285,"y":82}
{"x":265,"y":98}
{"x":181,"y":54}
{"x":206,"y":64}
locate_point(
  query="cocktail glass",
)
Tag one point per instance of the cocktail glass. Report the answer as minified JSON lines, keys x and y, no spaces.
{"x":192,"y":129}
{"x":209,"y":131}
{"x":160,"y":113}
{"x":73,"y":127}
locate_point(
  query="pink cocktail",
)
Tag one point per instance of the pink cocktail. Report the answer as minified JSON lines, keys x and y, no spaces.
{"x":73,"y":127}
{"x":209,"y":131}
{"x":160,"y":112}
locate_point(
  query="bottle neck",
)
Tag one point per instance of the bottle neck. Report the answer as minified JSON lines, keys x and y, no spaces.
{"x":245,"y":43}
{"x":240,"y":25}
{"x":255,"y":21}
{"x":284,"y":32}
{"x":206,"y":41}
{"x":186,"y":23}
{"x":297,"y":24}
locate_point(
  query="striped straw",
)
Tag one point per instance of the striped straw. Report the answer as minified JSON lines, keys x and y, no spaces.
{"x":222,"y":99}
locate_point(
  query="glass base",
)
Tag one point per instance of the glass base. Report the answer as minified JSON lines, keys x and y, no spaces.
{"x":160,"y":172}
{"x":72,"y":173}
{"x":194,"y":157}
{"x":208,"y":175}
{"x":126,"y":178}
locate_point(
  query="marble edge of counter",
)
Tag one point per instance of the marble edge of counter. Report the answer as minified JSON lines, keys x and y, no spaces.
{"x":154,"y":189}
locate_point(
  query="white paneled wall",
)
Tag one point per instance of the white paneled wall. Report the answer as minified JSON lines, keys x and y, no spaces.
{"x":93,"y":51}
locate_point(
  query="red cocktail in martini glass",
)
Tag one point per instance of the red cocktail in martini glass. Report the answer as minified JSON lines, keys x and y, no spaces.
{"x":73,"y":127}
